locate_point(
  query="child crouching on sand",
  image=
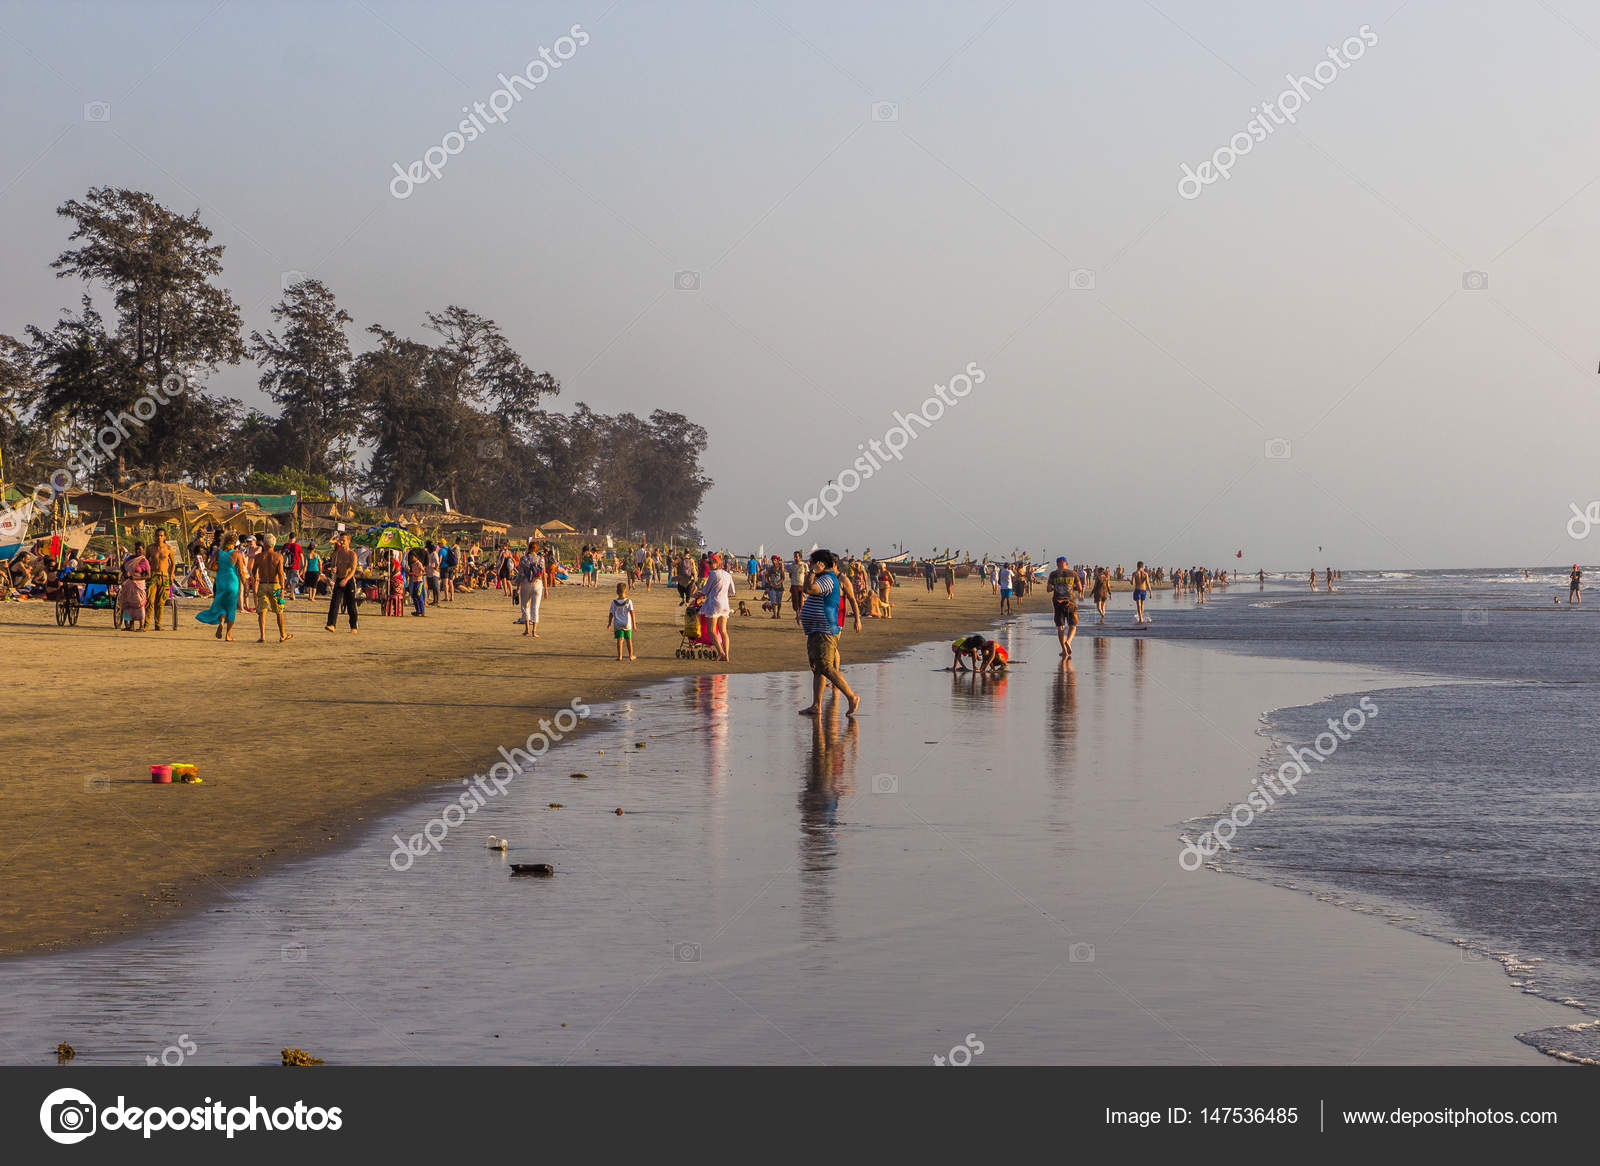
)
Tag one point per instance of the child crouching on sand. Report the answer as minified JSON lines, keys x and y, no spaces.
{"x":620,"y":620}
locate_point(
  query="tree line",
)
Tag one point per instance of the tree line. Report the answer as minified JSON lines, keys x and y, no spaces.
{"x":459,"y":412}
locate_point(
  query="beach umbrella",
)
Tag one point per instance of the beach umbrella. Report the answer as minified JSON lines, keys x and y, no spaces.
{"x":389,"y":538}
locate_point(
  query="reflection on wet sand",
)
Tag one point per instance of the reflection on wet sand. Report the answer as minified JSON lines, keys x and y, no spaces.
{"x":708,"y":697}
{"x":830,"y":776}
{"x":1062,"y":722}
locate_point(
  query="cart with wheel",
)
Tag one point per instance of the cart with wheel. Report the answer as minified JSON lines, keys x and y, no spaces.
{"x":90,"y":587}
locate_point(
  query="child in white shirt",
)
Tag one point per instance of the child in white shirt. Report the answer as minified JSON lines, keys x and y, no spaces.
{"x":620,"y":620}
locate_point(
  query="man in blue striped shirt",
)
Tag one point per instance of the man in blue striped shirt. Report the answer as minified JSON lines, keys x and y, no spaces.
{"x":822,"y":618}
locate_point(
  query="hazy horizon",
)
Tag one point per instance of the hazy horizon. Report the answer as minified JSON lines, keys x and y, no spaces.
{"x":872,"y":199}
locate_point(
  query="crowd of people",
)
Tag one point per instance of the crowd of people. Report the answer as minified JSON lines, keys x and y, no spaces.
{"x":258,"y":575}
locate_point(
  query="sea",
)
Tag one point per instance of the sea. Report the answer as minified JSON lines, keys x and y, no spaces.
{"x":1467,"y":809}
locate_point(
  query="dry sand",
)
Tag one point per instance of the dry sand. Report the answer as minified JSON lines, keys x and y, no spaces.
{"x":298,"y":742}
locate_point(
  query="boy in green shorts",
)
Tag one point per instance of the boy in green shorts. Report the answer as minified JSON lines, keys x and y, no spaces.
{"x":620,"y":620}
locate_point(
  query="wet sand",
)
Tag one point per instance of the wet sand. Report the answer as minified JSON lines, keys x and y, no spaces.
{"x":299,"y":744}
{"x":987,"y":857}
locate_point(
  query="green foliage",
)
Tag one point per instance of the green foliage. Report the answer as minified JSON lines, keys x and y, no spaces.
{"x":307,"y":372}
{"x":459,"y":414}
{"x":310,"y":487}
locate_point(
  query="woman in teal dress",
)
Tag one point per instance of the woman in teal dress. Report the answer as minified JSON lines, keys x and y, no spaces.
{"x":225,"y":602}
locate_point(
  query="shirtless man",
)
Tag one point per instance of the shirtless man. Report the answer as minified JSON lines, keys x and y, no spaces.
{"x":162,"y":561}
{"x":266,"y":581}
{"x":1141,"y":592}
{"x":1575,"y":582}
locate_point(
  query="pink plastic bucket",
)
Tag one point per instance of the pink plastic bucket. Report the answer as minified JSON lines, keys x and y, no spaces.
{"x":161,"y":774}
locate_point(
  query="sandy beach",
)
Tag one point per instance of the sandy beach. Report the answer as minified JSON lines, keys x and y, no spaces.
{"x":298,"y":743}
{"x":996,"y":857}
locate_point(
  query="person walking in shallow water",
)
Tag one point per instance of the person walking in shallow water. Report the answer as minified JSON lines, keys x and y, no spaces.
{"x":1575,"y":583}
{"x":1102,"y":592}
{"x":822,"y":618}
{"x":1141,"y":592}
{"x":1064,"y":590}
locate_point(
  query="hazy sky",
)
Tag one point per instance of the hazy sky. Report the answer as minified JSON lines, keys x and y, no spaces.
{"x":850,"y":255}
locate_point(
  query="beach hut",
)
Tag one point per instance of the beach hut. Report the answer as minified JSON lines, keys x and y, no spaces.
{"x":282,"y":509}
{"x":190,"y":508}
{"x":456,"y":523}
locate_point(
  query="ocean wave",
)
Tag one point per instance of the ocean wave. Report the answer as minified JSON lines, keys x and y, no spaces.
{"x":1577,"y":1044}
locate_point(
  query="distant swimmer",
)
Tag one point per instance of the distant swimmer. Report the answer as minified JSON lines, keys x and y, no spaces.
{"x":1141,"y":592}
{"x":1262,"y":576}
{"x":985,"y":654}
{"x":1574,"y":585}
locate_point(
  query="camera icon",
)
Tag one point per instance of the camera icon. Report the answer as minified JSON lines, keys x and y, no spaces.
{"x":492,"y":450}
{"x":67,"y":1116}
{"x":686,"y":281}
{"x":1277,"y":448}
{"x":1475,"y":281}
{"x":1080,"y":279}
{"x":96,"y":783}
{"x":1475,"y":617}
{"x":97,"y":111}
{"x":1081,"y":953}
{"x":686,"y":953}
{"x":885,"y":111}
{"x":885,"y":783}
{"x":289,"y":278}
{"x":292,"y":953}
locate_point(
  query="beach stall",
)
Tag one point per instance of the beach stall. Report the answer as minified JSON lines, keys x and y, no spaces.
{"x":386,"y":536}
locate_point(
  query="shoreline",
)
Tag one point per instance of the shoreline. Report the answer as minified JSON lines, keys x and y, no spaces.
{"x":378,"y":722}
{"x":965,"y":892}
